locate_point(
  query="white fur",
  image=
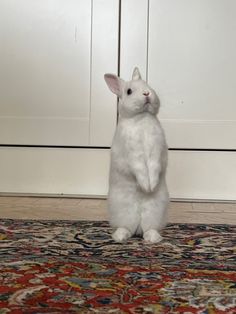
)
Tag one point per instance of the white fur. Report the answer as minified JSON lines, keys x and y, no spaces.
{"x":138,"y":196}
{"x":152,"y":236}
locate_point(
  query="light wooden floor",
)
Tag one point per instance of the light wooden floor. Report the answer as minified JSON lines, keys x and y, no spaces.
{"x":95,"y":209}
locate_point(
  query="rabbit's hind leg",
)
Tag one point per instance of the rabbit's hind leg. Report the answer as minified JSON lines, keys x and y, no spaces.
{"x":125,"y":222}
{"x":154,"y":215}
{"x":121,"y":235}
{"x":152,"y":236}
{"x":124,"y":216}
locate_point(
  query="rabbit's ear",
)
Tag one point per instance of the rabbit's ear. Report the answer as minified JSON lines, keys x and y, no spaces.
{"x":136,"y":74}
{"x":114,"y":83}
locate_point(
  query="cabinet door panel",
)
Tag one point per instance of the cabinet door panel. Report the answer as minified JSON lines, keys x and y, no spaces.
{"x":191,"y":64}
{"x":53,"y":55}
{"x":44,"y":77}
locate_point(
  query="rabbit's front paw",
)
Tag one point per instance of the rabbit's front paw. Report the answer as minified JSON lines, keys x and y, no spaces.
{"x":154,"y":175}
{"x":144,"y":184}
{"x":154,"y":180}
{"x":121,"y":235}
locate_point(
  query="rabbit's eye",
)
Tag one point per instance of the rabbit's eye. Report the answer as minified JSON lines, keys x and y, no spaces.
{"x":129,"y":91}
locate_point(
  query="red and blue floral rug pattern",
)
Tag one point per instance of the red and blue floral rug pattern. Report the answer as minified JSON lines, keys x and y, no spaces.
{"x":75,"y":267}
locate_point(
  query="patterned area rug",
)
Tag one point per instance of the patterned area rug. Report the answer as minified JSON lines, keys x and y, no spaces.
{"x":75,"y":267}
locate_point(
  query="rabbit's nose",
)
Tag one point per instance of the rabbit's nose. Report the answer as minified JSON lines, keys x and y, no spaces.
{"x":146,"y":93}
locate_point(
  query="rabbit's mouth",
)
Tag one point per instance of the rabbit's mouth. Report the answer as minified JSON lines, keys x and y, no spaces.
{"x":147,"y":100}
{"x":149,"y":106}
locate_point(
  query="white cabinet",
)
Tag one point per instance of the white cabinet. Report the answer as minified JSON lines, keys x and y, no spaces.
{"x":192,"y":65}
{"x":186,"y":50}
{"x":53,"y":55}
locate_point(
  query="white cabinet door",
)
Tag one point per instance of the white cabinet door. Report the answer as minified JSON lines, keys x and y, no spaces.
{"x":186,"y":50}
{"x":192,"y":65}
{"x":53,"y":55}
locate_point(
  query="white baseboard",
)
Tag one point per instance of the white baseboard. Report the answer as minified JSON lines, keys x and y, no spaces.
{"x":192,"y":175}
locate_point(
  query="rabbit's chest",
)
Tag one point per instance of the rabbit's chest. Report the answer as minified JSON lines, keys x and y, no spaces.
{"x":140,"y":135}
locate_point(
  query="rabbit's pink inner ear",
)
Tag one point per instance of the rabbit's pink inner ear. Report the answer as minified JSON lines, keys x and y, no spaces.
{"x":136,"y":74}
{"x":114,"y":83}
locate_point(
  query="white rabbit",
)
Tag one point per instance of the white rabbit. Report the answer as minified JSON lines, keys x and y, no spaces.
{"x":138,"y":197}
